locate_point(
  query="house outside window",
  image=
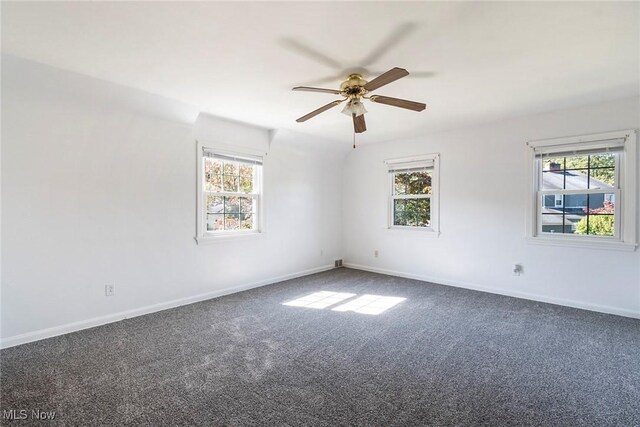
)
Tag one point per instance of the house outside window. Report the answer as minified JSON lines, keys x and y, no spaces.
{"x":230,"y":194}
{"x":413,"y":193}
{"x":584,"y":190}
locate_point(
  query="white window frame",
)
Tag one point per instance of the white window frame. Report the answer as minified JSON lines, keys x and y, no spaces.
{"x":625,"y":234}
{"x":431,"y":161}
{"x":203,"y":236}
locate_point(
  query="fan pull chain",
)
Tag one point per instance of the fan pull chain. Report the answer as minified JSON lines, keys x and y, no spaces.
{"x":354,"y":140}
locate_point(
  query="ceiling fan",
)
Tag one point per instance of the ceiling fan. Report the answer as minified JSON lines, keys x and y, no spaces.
{"x":354,"y":89}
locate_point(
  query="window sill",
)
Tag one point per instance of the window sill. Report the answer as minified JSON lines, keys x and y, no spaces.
{"x":590,"y":244}
{"x":220,"y":238}
{"x":424,"y":231}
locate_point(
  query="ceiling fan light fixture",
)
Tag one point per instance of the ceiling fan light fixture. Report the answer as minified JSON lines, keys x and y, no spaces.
{"x":354,"y":106}
{"x":354,"y":89}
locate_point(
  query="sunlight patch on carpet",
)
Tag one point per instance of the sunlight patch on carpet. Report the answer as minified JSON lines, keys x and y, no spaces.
{"x":320,"y":299}
{"x":365,"y":304}
{"x":370,"y":304}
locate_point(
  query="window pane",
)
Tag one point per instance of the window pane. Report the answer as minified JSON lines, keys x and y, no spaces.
{"x":231,"y":204}
{"x":602,"y":178}
{"x":579,"y":172}
{"x":594,"y":203}
{"x":552,"y":203}
{"x":230,"y":183}
{"x":399,"y":184}
{"x":212,"y":166}
{"x":213,"y":183}
{"x":232,"y":221}
{"x":412,"y":212}
{"x":246,"y":221}
{"x":215,"y":222}
{"x":246,"y":204}
{"x":215,"y":204}
{"x":604,"y":160}
{"x":576,"y":179}
{"x":576,"y":162}
{"x":565,"y":180}
{"x":553,"y":163}
{"x":246,"y":178}
{"x":399,"y":212}
{"x":596,"y":225}
{"x":572,"y":219}
{"x":230,"y":168}
{"x":412,"y":183}
{"x":423,"y":212}
{"x":601,"y":203}
{"x":591,"y":214}
{"x":420,"y":183}
{"x":552,"y":223}
{"x":580,"y":214}
{"x":212,"y":177}
{"x":229,"y":212}
{"x":553,"y":180}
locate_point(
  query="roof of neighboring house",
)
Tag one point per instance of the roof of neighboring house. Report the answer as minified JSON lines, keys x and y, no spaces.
{"x":557,"y":219}
{"x":575,"y":180}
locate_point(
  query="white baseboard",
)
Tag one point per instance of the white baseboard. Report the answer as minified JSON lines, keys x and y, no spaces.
{"x":516,"y":294}
{"x":115,"y":317}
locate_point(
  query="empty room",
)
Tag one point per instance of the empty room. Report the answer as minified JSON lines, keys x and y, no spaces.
{"x":320,"y":213}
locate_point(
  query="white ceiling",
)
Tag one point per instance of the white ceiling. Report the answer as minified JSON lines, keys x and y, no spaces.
{"x":473,"y":62}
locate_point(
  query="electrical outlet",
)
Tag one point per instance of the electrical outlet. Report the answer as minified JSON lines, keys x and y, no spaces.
{"x":517,"y":270}
{"x":109,"y":290}
{"x":375,"y":253}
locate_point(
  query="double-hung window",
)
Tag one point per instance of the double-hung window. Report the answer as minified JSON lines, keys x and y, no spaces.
{"x":230,"y":187}
{"x":584,"y":190}
{"x":413,"y":188}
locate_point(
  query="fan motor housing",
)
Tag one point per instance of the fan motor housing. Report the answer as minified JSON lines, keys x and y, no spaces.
{"x":353,"y":86}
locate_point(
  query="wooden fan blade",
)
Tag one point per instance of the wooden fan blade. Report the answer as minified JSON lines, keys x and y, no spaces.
{"x":396,"y":102}
{"x":359,"y":124}
{"x":385,"y":78}
{"x":317,"y":89}
{"x":319,"y":110}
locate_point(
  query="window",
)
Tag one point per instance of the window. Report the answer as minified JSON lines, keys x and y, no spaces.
{"x":230,"y":193}
{"x":584,"y":190}
{"x":413,"y":186}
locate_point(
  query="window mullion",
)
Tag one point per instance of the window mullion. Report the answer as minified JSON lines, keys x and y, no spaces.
{"x":411,"y":196}
{"x":584,"y":191}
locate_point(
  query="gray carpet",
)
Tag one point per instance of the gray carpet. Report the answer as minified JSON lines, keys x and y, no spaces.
{"x":443,"y":357}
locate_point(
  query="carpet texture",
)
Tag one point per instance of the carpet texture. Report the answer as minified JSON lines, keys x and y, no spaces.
{"x":443,"y":357}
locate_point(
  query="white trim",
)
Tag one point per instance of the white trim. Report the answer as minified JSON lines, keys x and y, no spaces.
{"x":582,"y":242}
{"x":434,"y":197}
{"x":523,"y":295}
{"x":231,"y":150}
{"x":235,"y":235}
{"x":204,"y":237}
{"x":115,"y":317}
{"x":580,"y":139}
{"x":626,"y":189}
{"x":412,"y":159}
{"x":426,"y":231}
{"x":553,"y":192}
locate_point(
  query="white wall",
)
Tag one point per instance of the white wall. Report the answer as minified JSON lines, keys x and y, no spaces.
{"x":484,"y":188}
{"x":98,"y":187}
